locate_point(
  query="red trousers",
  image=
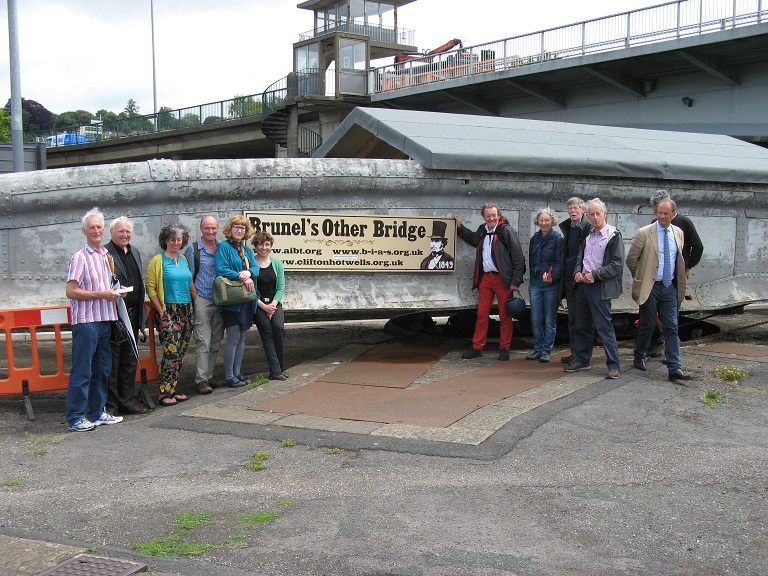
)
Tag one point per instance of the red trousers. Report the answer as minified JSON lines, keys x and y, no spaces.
{"x":491,"y":285}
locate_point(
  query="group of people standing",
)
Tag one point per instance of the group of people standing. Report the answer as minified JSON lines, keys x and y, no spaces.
{"x":584,"y":265}
{"x":179,"y":285}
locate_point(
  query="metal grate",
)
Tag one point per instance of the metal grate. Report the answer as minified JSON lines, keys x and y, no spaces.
{"x":84,"y":565}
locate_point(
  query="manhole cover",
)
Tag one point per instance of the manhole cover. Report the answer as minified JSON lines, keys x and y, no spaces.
{"x":94,"y":566}
{"x":399,"y":357}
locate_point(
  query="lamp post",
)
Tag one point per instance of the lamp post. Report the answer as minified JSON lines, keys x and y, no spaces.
{"x":154,"y":73}
{"x":17,"y":132}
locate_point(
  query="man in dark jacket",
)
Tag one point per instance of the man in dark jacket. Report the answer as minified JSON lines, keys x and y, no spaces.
{"x":574,"y":231}
{"x":127,"y":262}
{"x":599,"y":272}
{"x":499,"y":270}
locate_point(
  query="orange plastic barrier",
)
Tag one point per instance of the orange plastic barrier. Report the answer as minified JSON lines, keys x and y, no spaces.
{"x":51,"y":317}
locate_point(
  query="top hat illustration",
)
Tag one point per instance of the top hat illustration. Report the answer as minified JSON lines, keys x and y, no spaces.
{"x":438,"y":229}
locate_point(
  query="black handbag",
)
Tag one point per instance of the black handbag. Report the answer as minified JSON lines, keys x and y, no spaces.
{"x":228,"y":292}
{"x":119,"y":332}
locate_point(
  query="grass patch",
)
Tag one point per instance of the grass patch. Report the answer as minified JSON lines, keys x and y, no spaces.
{"x":39,"y":440}
{"x":177,"y":545}
{"x":256,"y":381}
{"x":288,"y":442}
{"x":334,"y":451}
{"x":257,"y":518}
{"x":259,"y":460}
{"x":11,"y":483}
{"x":731,"y":375}
{"x":170,"y":545}
{"x":712,"y":397}
{"x":312,"y":446}
{"x":187,"y":522}
{"x":354,"y":329}
{"x":38,"y":451}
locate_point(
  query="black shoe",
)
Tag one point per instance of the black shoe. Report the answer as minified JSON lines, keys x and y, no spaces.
{"x":235,"y":383}
{"x":503,"y":354}
{"x":278,"y":377}
{"x":577,"y":365}
{"x":472,"y":353}
{"x":567,"y":359}
{"x":639,"y":363}
{"x":679,"y":377}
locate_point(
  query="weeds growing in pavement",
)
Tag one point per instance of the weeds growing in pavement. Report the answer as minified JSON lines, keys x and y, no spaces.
{"x":176,"y":544}
{"x":187,"y":522}
{"x":288,"y":442}
{"x":712,"y":397}
{"x":256,"y":381}
{"x":731,"y":375}
{"x":257,"y":518}
{"x":11,"y":483}
{"x":43,"y":444}
{"x":312,"y":446}
{"x":258,"y":461}
{"x":334,"y":451}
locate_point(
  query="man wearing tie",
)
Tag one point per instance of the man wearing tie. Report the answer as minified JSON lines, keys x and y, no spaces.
{"x":655,"y":259}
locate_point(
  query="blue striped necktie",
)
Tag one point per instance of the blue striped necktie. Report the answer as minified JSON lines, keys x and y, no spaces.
{"x":667,"y":272}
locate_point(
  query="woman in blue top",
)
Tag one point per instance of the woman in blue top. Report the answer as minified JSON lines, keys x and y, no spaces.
{"x":171,"y":290}
{"x":544,"y":258}
{"x":235,"y":260}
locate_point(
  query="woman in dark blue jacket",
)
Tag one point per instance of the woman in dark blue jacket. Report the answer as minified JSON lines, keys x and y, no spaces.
{"x":544,"y":258}
{"x":235,"y":260}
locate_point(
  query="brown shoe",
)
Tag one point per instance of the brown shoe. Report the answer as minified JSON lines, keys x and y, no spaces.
{"x":639,"y":363}
{"x":134,"y":409}
{"x":216,"y":383}
{"x":204,"y":388}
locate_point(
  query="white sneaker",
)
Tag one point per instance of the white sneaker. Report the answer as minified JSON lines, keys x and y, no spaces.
{"x":106,"y":419}
{"x":82,"y":425}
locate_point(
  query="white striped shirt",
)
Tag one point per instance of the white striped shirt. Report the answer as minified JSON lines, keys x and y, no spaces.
{"x":90,"y":269}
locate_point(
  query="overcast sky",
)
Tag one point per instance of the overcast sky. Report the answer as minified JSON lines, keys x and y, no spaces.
{"x":96,"y":54}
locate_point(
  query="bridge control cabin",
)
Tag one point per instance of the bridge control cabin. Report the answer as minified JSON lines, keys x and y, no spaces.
{"x":347,"y":35}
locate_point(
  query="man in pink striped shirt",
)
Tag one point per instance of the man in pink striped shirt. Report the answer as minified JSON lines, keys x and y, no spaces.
{"x":94,"y":311}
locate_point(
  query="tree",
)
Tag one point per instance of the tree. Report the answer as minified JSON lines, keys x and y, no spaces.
{"x":34,"y":116}
{"x":106,"y":116}
{"x":243,"y":107}
{"x":166,"y":120}
{"x":5,"y":126}
{"x":131,"y":108}
{"x":189,"y":120}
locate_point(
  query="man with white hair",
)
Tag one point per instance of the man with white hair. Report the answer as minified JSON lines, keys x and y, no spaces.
{"x":94,"y":310}
{"x":598,"y":276}
{"x":127,"y":263}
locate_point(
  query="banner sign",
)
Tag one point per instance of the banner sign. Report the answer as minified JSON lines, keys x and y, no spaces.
{"x":362,"y":243}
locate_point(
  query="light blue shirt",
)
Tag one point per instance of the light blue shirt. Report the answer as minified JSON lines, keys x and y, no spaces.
{"x":672,"y":250}
{"x":207,"y":272}
{"x":488,"y":264}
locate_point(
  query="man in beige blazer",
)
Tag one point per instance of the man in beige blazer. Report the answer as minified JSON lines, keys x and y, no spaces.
{"x":655,"y":259}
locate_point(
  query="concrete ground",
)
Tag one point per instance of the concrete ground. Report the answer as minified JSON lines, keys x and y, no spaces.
{"x":630,"y":476}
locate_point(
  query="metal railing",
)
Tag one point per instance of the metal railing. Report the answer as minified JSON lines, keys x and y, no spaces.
{"x":378,"y":33}
{"x":165,"y":120}
{"x":667,"y":21}
{"x":308,"y":82}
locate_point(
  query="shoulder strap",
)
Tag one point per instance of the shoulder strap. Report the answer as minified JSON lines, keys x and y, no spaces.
{"x":196,"y":252}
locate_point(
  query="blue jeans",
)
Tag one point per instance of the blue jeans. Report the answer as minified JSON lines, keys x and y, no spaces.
{"x":89,"y":376}
{"x":544,"y":302}
{"x":593,"y":314}
{"x":662,"y":301}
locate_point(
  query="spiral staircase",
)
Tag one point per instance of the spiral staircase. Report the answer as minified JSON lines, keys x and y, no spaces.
{"x":277,"y":101}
